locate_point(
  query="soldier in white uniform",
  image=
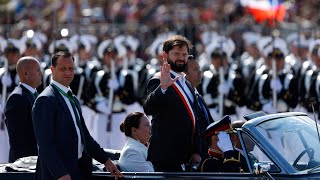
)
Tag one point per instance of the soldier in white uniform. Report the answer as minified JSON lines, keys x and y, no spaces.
{"x":12,"y":49}
{"x":298,"y":61}
{"x":129,"y":74}
{"x":104,"y":99}
{"x":232,"y":85}
{"x":311,"y":80}
{"x":84,"y":68}
{"x":277,"y":87}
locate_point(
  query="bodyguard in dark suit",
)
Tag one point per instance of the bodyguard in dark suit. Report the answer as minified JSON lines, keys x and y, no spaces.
{"x":194,"y":76}
{"x":18,"y":109}
{"x":171,"y":102}
{"x":65,"y":146}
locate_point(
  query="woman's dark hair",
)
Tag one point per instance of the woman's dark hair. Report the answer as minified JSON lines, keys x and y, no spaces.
{"x":55,"y":57}
{"x":132,"y":120}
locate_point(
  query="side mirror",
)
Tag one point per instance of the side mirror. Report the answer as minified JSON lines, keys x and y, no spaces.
{"x":261,"y":168}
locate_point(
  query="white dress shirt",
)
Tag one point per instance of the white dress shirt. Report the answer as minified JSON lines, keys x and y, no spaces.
{"x":31,"y":89}
{"x":66,"y":89}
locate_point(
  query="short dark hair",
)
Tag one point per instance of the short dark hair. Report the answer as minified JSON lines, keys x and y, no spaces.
{"x":176,"y":40}
{"x":276,"y":53}
{"x":217,"y":54}
{"x":132,"y":120}
{"x":11,"y":48}
{"x":111,"y":48}
{"x":190,"y":58}
{"x":315,"y":50}
{"x":56,"y":56}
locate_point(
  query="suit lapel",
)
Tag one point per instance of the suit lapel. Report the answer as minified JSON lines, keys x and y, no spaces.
{"x":27,"y":93}
{"x":78,"y":106}
{"x":65,"y":106}
{"x":61,"y":101}
{"x":195,"y":102}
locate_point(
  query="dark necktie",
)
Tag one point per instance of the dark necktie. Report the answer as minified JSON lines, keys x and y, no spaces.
{"x":74,"y":107}
{"x":35,"y":94}
{"x":203,"y":108}
{"x":72,"y":101}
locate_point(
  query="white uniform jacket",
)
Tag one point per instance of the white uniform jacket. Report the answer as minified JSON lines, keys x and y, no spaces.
{"x":133,"y":157}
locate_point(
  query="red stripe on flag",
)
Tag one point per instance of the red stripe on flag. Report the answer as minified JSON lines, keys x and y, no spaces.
{"x":277,"y":13}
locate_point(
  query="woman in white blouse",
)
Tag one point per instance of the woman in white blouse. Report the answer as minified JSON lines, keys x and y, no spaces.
{"x":133,"y":156}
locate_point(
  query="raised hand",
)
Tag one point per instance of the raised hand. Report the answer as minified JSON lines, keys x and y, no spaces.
{"x":165,"y":78}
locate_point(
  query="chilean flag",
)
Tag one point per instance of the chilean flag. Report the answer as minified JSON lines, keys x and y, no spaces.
{"x":265,"y":10}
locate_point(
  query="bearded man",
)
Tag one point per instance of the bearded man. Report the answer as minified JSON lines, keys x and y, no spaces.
{"x":172,"y":103}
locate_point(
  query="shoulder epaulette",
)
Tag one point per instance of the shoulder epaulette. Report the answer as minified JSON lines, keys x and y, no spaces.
{"x":260,"y":88}
{"x":232,"y":159}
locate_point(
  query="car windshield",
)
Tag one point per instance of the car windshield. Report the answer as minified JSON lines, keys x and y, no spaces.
{"x":295,"y":138}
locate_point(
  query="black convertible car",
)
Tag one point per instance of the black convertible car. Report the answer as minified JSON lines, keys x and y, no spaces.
{"x":276,"y":146}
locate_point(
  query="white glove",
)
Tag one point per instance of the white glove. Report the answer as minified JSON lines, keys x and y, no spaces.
{"x":102,"y":107}
{"x":224,"y":88}
{"x":208,"y":99}
{"x":6,"y":80}
{"x":113,"y":84}
{"x":276,"y":85}
{"x":268,"y":108}
{"x":1,"y":109}
{"x":224,"y":142}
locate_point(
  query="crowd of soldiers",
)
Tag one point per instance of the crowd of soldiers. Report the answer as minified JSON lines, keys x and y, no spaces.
{"x":273,"y":74}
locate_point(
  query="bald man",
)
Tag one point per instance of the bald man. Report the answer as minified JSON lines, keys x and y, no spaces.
{"x":18,"y":108}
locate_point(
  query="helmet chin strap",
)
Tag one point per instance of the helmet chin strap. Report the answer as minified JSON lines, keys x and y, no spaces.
{"x":215,"y":153}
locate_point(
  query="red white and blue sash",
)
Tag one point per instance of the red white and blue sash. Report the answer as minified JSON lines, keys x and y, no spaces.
{"x":185,"y":99}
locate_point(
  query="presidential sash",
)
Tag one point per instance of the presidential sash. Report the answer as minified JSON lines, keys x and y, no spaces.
{"x":186,"y":100}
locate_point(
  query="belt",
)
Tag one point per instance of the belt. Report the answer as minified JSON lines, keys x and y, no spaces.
{"x":212,"y":105}
{"x":121,"y":111}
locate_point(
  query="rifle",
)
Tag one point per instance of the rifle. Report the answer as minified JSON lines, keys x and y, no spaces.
{"x":111,"y":96}
{"x":221,"y":80}
{"x":4,"y":93}
{"x":80,"y":87}
{"x":77,"y":67}
{"x":4,"y":87}
{"x":275,"y":34}
{"x":221,"y":97}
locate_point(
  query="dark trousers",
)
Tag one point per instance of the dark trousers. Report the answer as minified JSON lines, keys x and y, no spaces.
{"x":167,"y":167}
{"x":85,"y":166}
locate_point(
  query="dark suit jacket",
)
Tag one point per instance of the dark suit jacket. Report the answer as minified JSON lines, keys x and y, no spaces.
{"x":19,"y":124}
{"x":203,"y":123}
{"x":58,"y":141}
{"x":173,"y":140}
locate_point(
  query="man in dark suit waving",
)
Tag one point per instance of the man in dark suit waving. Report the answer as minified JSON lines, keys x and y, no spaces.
{"x":66,"y":148}
{"x":171,"y":102}
{"x":18,"y":109}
